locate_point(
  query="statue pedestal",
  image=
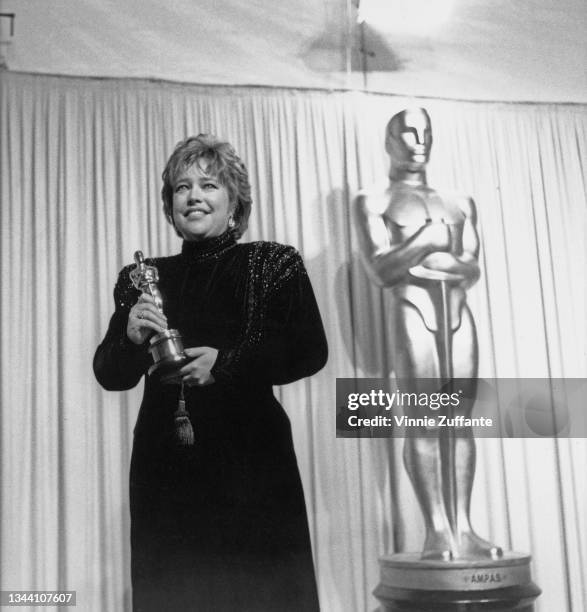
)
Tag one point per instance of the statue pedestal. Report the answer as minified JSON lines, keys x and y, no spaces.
{"x":412,"y":584}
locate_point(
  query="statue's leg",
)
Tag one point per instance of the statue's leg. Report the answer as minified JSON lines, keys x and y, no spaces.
{"x":416,"y":357}
{"x":465,"y":353}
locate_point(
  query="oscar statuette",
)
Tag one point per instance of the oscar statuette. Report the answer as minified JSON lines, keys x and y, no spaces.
{"x":165,"y":347}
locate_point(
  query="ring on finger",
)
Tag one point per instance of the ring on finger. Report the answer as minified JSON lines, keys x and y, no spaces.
{"x":140,"y":315}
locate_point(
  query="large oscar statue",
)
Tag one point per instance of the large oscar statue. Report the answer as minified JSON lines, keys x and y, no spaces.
{"x":423,"y":245}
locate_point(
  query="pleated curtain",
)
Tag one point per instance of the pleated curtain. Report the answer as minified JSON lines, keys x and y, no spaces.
{"x":80,"y":166}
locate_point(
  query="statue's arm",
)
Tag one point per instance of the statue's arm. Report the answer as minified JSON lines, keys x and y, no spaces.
{"x":387,"y":262}
{"x":469,"y":258}
{"x":463,"y":265}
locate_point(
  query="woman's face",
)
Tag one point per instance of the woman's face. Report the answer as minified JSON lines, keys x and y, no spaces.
{"x":201,"y":204}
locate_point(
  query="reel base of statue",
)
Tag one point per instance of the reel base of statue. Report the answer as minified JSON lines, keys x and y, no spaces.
{"x":169,"y":356}
{"x":412,"y":584}
{"x":167,"y":372}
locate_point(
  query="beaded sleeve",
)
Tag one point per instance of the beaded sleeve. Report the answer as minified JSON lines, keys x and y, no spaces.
{"x":119,"y":364}
{"x":283,"y":339}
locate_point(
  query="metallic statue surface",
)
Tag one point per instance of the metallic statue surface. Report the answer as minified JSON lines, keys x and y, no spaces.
{"x":146,"y":278}
{"x":423,"y":245}
{"x":166,"y":347}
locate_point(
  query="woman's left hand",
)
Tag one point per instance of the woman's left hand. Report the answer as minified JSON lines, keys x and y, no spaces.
{"x":197,"y":372}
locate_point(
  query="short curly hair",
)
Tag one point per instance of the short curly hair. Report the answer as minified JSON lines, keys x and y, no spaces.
{"x":223,"y":163}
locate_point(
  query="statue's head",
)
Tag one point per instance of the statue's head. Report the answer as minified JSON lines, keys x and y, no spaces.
{"x":408,"y":139}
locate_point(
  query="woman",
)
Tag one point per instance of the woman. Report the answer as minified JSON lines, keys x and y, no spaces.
{"x":220,"y":524}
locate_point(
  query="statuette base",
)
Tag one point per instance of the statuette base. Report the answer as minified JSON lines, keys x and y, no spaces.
{"x":412,"y":584}
{"x":169,"y":356}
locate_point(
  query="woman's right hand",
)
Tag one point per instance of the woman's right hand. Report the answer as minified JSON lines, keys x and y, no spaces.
{"x":144,"y":318}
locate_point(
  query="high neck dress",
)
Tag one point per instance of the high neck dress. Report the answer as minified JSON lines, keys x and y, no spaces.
{"x":221,"y":525}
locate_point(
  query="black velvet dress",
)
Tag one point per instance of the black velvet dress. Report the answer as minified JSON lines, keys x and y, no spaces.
{"x":221,"y":525}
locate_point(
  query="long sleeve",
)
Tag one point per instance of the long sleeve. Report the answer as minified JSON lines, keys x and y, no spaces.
{"x":119,"y":364}
{"x":284,"y":338}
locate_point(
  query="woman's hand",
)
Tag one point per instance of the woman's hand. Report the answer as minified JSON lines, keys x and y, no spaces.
{"x":144,"y":318}
{"x":197,"y":372}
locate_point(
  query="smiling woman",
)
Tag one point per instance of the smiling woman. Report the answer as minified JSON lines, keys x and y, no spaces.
{"x":205,"y":179}
{"x":220,"y":524}
{"x":201,"y":206}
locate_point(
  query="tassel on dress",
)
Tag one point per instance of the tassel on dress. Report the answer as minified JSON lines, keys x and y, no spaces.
{"x":184,"y":432}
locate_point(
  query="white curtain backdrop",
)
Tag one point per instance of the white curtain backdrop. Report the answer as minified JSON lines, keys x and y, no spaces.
{"x":80,"y":165}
